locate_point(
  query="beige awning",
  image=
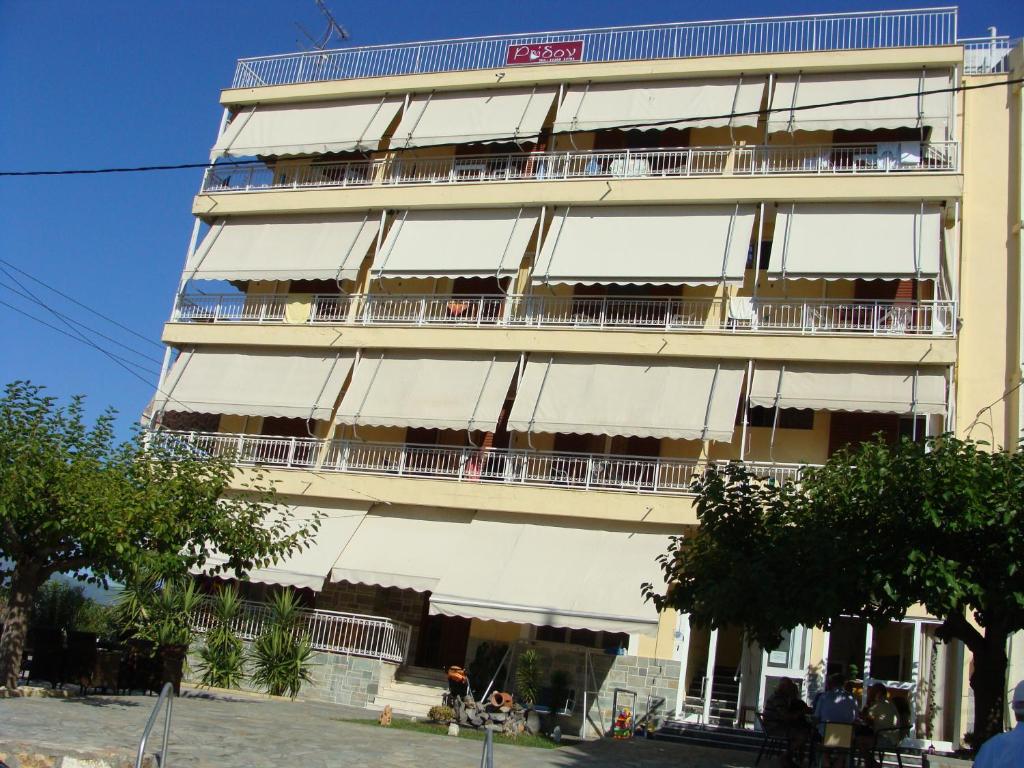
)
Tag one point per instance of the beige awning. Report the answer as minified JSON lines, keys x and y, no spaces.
{"x":485,"y":242}
{"x":309,"y":567}
{"x":866,"y":388}
{"x":664,"y":244}
{"x":404,"y":547}
{"x":424,"y":389}
{"x":251,"y":382}
{"x":643,"y":397}
{"x":504,"y":115}
{"x":831,"y":241}
{"x":872,"y":109}
{"x":319,"y":247}
{"x":553,"y":575}
{"x":658,"y":105}
{"x":308,"y":129}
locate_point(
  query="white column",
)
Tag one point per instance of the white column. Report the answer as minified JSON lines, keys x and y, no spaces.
{"x":915,"y":667}
{"x":869,"y":640}
{"x":709,"y":674}
{"x":681,"y":651}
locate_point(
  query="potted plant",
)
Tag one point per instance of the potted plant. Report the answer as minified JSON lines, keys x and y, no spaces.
{"x":281,"y":656}
{"x":528,"y":680}
{"x":222,"y":657}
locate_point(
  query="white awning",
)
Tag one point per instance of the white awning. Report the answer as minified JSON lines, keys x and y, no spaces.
{"x":661,"y":104}
{"x":505,"y":115}
{"x":319,"y":247}
{"x":404,"y":547}
{"x":833,"y":241}
{"x":308,"y":129}
{"x":553,"y":575}
{"x":485,"y":242}
{"x":251,"y":382}
{"x":643,"y":397}
{"x":873,"y":107}
{"x":865,"y":388}
{"x":422,"y":389}
{"x":664,"y":244}
{"x":309,"y":567}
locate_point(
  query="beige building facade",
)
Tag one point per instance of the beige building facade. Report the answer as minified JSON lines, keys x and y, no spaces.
{"x":490,"y":319}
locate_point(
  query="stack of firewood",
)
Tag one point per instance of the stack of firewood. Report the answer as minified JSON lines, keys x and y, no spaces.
{"x":498,"y":712}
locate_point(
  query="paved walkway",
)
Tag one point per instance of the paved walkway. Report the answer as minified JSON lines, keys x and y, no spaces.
{"x":242,"y":732}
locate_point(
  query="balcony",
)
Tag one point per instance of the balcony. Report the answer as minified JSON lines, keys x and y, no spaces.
{"x":509,"y":467}
{"x":713,"y":315}
{"x":352,"y":634}
{"x":778,"y":34}
{"x":897,"y":158}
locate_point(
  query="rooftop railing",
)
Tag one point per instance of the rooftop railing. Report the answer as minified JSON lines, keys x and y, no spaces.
{"x":732,"y":37}
{"x":352,"y":634}
{"x":712,"y":315}
{"x":503,"y":466}
{"x":987,"y":55}
{"x":683,"y":162}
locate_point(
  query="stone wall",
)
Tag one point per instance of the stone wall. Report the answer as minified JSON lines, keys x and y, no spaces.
{"x":403,"y":605}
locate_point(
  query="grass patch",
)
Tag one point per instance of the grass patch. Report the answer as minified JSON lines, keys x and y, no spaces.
{"x":419,"y":726}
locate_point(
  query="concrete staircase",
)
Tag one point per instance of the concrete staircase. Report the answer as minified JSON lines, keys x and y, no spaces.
{"x":724,"y":696}
{"x":412,"y":691}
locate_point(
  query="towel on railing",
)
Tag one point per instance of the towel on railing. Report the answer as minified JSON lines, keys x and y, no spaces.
{"x":741,"y":308}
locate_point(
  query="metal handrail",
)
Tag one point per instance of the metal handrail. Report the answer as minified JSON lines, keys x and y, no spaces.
{"x":867,"y":158}
{"x":802,"y":316}
{"x":758,"y":35}
{"x":166,"y":696}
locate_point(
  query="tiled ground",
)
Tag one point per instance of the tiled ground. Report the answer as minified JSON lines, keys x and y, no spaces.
{"x":253,"y":732}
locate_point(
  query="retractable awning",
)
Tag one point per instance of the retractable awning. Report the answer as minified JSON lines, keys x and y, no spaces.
{"x":868,"y":389}
{"x":250,"y":382}
{"x":663,"y":244}
{"x":643,"y":397}
{"x":658,"y":105}
{"x":486,"y":242}
{"x":308,"y":129}
{"x":867,"y":241}
{"x":433,"y":390}
{"x":404,"y":547}
{"x":506,"y":115}
{"x":309,"y":567}
{"x":872,"y":104}
{"x":553,"y":575}
{"x":320,"y":247}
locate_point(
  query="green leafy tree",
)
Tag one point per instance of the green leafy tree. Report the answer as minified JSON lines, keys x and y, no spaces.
{"x":874,"y":531}
{"x":75,"y":500}
{"x":222,"y":657}
{"x":282,"y":655}
{"x":64,"y":606}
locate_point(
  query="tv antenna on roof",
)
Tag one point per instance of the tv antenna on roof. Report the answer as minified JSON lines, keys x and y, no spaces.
{"x":334,"y":29}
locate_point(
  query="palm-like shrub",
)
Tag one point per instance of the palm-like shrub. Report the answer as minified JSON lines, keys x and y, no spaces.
{"x":222,"y":657}
{"x":281,"y":655}
{"x":528,"y":677}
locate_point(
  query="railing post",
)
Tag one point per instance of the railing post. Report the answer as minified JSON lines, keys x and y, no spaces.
{"x":590,"y":471}
{"x":423,"y":311}
{"x":291,"y":452}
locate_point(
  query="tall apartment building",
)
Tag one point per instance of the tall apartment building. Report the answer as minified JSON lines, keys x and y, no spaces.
{"x":490,"y":304}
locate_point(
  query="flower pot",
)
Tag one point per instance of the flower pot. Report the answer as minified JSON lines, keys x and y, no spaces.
{"x":172,"y":662}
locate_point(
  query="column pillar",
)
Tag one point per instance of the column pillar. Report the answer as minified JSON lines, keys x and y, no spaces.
{"x":709,"y":674}
{"x":681,"y":651}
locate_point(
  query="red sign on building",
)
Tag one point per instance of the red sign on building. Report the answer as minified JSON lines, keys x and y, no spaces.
{"x":545,"y":53}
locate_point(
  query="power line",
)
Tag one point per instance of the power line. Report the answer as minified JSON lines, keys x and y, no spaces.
{"x":648,"y":124}
{"x":73,"y":300}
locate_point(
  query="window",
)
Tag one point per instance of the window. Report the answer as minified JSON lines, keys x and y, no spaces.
{"x":789,"y":418}
{"x":766,"y":252}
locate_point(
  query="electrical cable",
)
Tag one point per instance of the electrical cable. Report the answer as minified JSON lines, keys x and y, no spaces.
{"x":73,"y":300}
{"x":639,"y":125}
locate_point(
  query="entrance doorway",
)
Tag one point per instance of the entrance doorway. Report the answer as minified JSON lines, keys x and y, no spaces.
{"x":442,"y":640}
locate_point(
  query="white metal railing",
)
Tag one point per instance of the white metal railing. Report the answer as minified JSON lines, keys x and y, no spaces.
{"x":987,"y":55}
{"x":506,"y":466}
{"x":349,"y":633}
{"x":776,"y":34}
{"x":741,"y":160}
{"x":711,"y":315}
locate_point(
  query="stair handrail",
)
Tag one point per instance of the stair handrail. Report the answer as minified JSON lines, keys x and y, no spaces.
{"x":166,"y":695}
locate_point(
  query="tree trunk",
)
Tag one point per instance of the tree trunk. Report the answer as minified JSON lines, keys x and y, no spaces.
{"x":988,"y":682}
{"x":25,"y":582}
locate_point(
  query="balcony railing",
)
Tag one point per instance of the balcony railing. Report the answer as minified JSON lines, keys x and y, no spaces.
{"x":741,"y":160}
{"x":349,"y":633}
{"x":776,"y":34}
{"x":582,"y":471}
{"x":714,"y":315}
{"x":987,"y":55}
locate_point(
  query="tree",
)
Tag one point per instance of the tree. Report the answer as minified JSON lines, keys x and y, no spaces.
{"x":874,"y":531}
{"x":74,"y":500}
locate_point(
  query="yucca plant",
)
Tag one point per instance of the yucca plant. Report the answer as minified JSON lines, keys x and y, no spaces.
{"x":222,"y":657}
{"x":281,"y":655}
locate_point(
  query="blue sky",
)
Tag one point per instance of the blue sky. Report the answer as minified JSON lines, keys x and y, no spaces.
{"x":111,"y":82}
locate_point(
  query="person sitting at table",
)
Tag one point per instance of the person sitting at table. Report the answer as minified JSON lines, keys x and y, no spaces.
{"x":835,"y":705}
{"x":785,"y":717}
{"x":881,"y":724}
